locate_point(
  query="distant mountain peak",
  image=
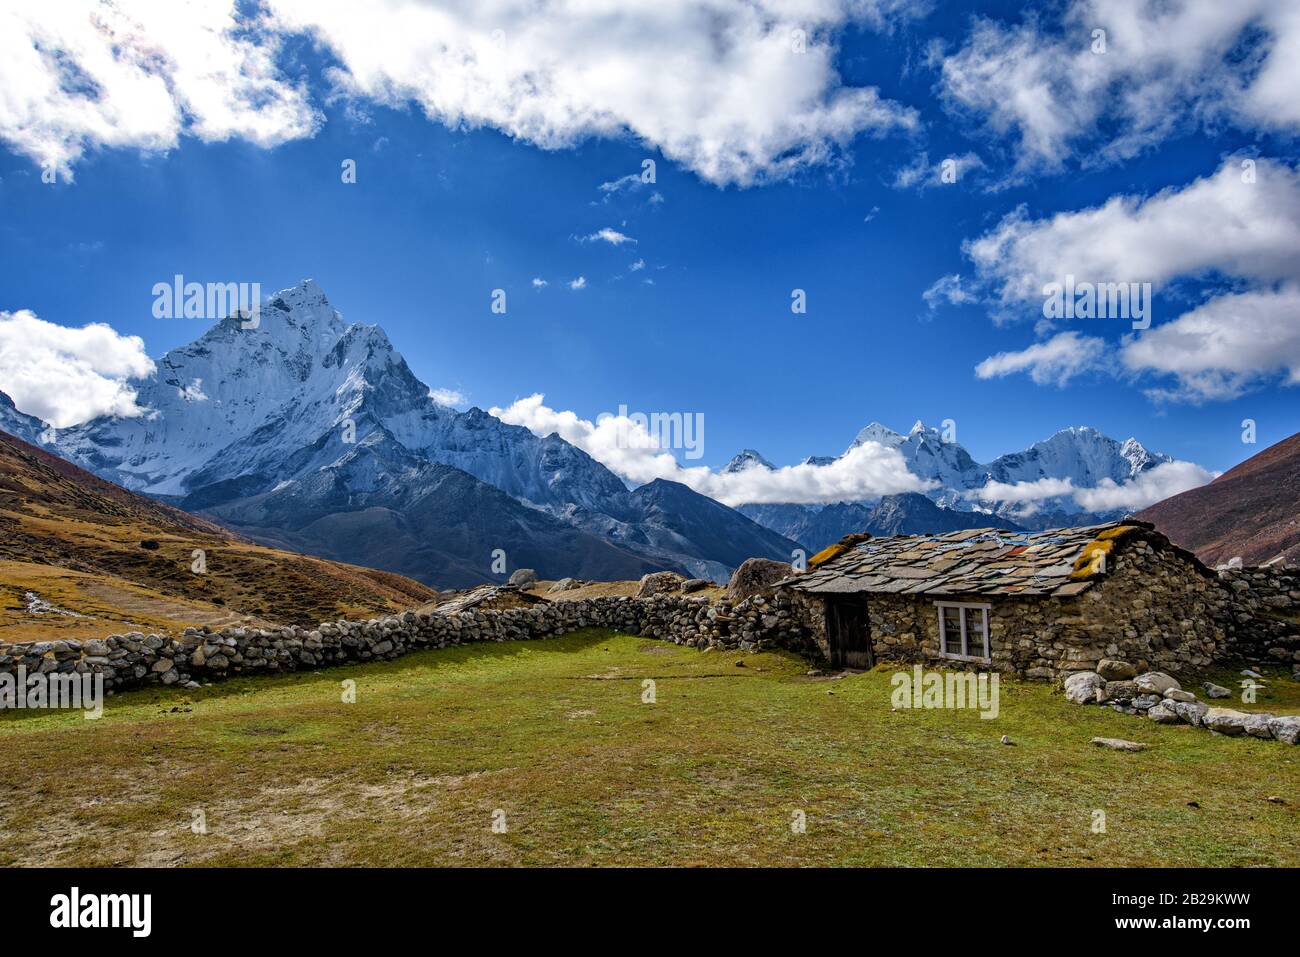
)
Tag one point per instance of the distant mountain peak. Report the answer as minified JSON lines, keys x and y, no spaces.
{"x":746,"y":459}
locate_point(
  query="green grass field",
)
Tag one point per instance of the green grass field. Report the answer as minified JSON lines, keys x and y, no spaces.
{"x":555,"y":735}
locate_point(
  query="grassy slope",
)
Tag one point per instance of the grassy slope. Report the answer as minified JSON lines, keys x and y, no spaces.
{"x":75,"y":540}
{"x":554,"y":733}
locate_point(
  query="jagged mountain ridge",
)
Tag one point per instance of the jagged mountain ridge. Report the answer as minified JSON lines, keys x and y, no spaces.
{"x":240,"y":415}
{"x":906,"y":513}
{"x":1082,"y":455}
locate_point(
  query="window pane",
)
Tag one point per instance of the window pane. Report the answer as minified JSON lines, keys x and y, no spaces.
{"x":975,"y":631}
{"x":952,"y":624}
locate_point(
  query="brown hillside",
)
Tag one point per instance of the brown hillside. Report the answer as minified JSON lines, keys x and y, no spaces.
{"x":121,"y":560}
{"x":1251,"y":511}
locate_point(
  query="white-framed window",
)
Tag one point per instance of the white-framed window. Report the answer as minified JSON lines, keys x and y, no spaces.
{"x":964,"y":631}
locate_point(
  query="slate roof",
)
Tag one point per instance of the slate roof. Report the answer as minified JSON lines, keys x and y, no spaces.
{"x":1061,"y":562}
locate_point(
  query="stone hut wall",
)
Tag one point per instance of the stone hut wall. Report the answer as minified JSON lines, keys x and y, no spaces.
{"x":1263,"y":624}
{"x":1155,"y":609}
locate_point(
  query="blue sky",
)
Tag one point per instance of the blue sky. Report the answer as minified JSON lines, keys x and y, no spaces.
{"x":441,"y":215}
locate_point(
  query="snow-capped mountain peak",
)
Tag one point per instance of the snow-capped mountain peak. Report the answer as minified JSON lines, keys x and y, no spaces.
{"x":875,"y":432}
{"x":746,"y":459}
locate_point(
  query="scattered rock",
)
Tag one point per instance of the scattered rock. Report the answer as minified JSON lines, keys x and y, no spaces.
{"x":1193,"y":712}
{"x":1082,"y":687}
{"x":694,"y":585}
{"x":740,"y":663}
{"x":1118,"y":691}
{"x":1257,"y":725}
{"x":1113,"y":670}
{"x":1145,"y":702}
{"x":1176,"y":694}
{"x":1225,"y":721}
{"x":1274,"y":799}
{"x":1286,"y":728}
{"x":1119,"y":744}
{"x":523,"y":577}
{"x":1247,"y":673}
{"x":1156,"y":683}
{"x":1216,"y":691}
{"x":1007,"y":740}
{"x":564,"y":584}
{"x":1163,"y":713}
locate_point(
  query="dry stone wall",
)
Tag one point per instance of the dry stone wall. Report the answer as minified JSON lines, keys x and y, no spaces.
{"x":1263,"y":625}
{"x":199,"y":655}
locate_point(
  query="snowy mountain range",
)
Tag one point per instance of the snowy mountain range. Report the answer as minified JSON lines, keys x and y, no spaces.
{"x":966,"y":493}
{"x":314,"y":434}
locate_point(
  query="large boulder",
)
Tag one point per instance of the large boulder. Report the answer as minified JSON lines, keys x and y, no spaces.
{"x":756,"y":576}
{"x":564,"y":584}
{"x":695,"y":584}
{"x":658,"y":583}
{"x":1225,"y":720}
{"x":1082,"y":688}
{"x":1286,"y":728}
{"x":1257,"y":725}
{"x":1216,"y":691}
{"x":1156,"y":683}
{"x":1113,"y":670}
{"x":523,"y":577}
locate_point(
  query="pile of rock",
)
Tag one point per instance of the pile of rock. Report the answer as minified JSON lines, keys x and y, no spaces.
{"x":1161,"y":698}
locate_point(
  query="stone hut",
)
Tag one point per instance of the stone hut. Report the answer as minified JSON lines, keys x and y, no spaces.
{"x":1038,"y":604}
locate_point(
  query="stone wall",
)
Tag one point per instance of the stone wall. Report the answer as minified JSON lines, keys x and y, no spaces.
{"x":135,"y":659}
{"x":1264,"y":623}
{"x":1155,"y":609}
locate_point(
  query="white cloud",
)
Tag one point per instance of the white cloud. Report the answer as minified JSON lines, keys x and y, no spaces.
{"x":948,"y":171}
{"x":625,"y":447}
{"x":1028,"y":496}
{"x":67,"y":376}
{"x":1238,"y":225}
{"x":1154,"y":485}
{"x":134,"y":73}
{"x":950,"y":289}
{"x":448,"y":397}
{"x":716,"y":87}
{"x":1217,"y":224}
{"x":1165,"y":66}
{"x":1056,"y":361}
{"x":579,"y":283}
{"x":539,"y":283}
{"x":637,"y":266}
{"x":1221,"y":349}
{"x":609,"y":235}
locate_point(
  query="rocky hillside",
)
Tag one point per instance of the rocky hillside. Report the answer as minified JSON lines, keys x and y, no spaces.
{"x":79,"y":555}
{"x":1251,"y":512}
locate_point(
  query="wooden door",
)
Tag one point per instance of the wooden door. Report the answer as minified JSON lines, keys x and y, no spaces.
{"x":850,"y":634}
